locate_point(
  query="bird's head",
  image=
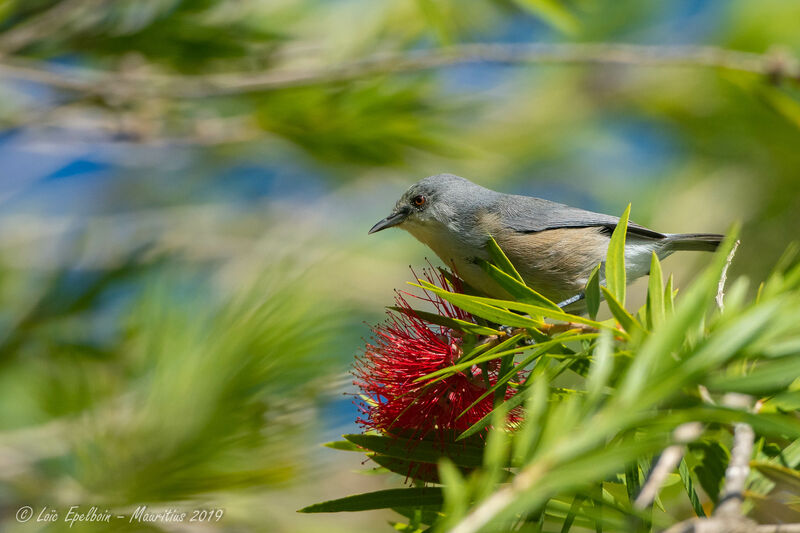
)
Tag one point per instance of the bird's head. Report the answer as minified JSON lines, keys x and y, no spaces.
{"x":435,"y":200}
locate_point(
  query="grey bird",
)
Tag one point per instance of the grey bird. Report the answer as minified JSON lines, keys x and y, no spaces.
{"x":554,"y":247}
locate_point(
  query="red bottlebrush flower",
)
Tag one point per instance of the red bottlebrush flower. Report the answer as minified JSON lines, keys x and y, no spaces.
{"x":406,"y":348}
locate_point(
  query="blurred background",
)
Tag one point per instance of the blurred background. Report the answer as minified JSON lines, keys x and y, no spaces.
{"x":185,"y":272}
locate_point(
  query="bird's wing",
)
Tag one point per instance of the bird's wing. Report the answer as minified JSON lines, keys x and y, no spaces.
{"x":530,"y":215}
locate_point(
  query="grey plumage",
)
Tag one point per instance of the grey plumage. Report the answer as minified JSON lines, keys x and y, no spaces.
{"x":554,"y":246}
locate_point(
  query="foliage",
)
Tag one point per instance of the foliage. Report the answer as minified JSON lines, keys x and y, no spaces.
{"x":163,"y":137}
{"x":602,"y":400}
{"x":178,"y":401}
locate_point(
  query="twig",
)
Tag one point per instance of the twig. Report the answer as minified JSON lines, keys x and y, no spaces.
{"x":728,"y":514}
{"x":562,"y":327}
{"x":667,"y":462}
{"x":724,"y":277}
{"x":778,"y":528}
{"x":739,"y":466}
{"x":116,"y":84}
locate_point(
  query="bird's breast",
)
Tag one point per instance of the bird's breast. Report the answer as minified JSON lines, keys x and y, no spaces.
{"x":459,"y":254}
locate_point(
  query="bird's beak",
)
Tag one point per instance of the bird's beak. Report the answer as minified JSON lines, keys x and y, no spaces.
{"x":392,"y":220}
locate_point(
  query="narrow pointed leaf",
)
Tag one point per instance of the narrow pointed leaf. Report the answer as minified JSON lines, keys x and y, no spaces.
{"x":655,"y":294}
{"x":382,"y":499}
{"x":669,"y":297}
{"x":536,"y":405}
{"x":765,"y":379}
{"x":540,"y":349}
{"x":426,"y":451}
{"x":484,"y":422}
{"x":452,"y":323}
{"x":602,"y":366}
{"x":501,"y":260}
{"x":592,"y":293}
{"x":625,"y":319}
{"x":343,"y":445}
{"x":518,"y":290}
{"x":477,"y":306}
{"x":573,"y":510}
{"x":493,"y":306}
{"x":779,"y":474}
{"x":415,"y":470}
{"x":688,"y":484}
{"x":615,"y":259}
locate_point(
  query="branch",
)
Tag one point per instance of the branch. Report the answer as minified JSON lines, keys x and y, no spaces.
{"x":728,"y":514}
{"x":667,"y":462}
{"x":124,"y":84}
{"x":739,"y":466}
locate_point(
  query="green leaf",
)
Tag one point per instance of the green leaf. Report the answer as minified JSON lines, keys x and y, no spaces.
{"x":497,"y":442}
{"x":540,"y":349}
{"x":552,"y":12}
{"x":592,"y":292}
{"x":343,"y":445}
{"x":779,"y":474}
{"x":493,"y":307}
{"x":765,"y":379}
{"x":713,"y":460}
{"x":425,"y":451}
{"x":452,"y":323}
{"x":536,"y":405}
{"x":488,"y":356}
{"x":382,"y":499}
{"x":573,"y":510}
{"x":615,"y":259}
{"x":518,"y":290}
{"x":789,"y":457}
{"x":415,"y":470}
{"x":632,"y":482}
{"x":657,"y":351}
{"x":688,"y":484}
{"x":438,"y":20}
{"x":625,"y":319}
{"x":602,"y":366}
{"x":484,"y":422}
{"x":780,"y":102}
{"x":655,"y":294}
{"x":477,"y":306}
{"x":455,"y":490}
{"x":499,"y":258}
{"x":669,"y":297}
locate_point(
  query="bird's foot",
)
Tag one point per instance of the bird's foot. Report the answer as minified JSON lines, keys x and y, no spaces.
{"x":576,"y":298}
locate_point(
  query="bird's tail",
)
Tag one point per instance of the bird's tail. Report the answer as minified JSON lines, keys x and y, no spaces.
{"x":697,"y":242}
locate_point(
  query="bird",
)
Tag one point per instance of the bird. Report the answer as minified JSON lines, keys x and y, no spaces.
{"x":554,"y":247}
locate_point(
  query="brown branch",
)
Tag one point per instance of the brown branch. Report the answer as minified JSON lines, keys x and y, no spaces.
{"x":127,"y":85}
{"x":563,"y":327}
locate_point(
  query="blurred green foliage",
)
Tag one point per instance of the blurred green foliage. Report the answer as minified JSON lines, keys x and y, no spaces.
{"x":178,"y":353}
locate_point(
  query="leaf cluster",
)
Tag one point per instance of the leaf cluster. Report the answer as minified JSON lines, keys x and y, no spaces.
{"x":603,"y":398}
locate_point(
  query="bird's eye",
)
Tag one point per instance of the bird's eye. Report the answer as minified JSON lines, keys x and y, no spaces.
{"x":418,"y":200}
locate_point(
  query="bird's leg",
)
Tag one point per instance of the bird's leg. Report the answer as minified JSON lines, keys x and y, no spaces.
{"x":577,"y":298}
